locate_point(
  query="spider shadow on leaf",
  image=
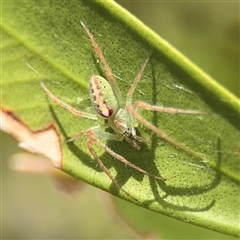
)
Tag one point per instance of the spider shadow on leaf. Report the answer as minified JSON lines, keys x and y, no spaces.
{"x":196,"y":193}
{"x":191,"y":190}
{"x":143,"y":158}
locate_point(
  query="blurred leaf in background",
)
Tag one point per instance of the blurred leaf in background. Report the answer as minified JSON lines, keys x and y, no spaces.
{"x":206,"y":32}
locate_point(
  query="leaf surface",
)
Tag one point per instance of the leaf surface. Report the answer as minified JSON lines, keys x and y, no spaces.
{"x":44,"y":41}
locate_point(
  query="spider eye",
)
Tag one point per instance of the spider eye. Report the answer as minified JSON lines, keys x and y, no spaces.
{"x":126,"y":132}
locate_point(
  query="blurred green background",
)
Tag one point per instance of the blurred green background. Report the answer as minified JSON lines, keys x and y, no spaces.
{"x":33,"y":208}
{"x":205,"y":32}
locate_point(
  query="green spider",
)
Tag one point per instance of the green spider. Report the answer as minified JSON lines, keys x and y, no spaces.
{"x":122,"y":116}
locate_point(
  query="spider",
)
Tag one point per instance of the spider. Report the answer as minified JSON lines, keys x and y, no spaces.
{"x":121,"y":116}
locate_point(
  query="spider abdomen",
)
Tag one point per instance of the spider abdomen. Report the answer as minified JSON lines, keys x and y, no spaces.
{"x":102,"y":97}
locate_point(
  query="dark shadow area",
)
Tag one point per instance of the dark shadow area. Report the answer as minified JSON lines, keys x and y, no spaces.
{"x":73,"y":147}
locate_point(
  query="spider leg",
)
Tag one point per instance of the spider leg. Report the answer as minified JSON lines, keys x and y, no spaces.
{"x":136,"y":80}
{"x":95,"y":136}
{"x":160,"y":133}
{"x":135,"y":143}
{"x":107,"y":69}
{"x":147,"y":106}
{"x":77,"y":136}
{"x":68,"y":107}
{"x":125,"y":161}
{"x":90,"y":142}
{"x":93,"y":139}
{"x":100,"y":54}
{"x":132,"y":142}
{"x":134,"y":115}
{"x":97,"y":133}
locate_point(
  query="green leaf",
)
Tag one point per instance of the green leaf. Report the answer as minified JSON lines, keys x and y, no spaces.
{"x":44,"y":41}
